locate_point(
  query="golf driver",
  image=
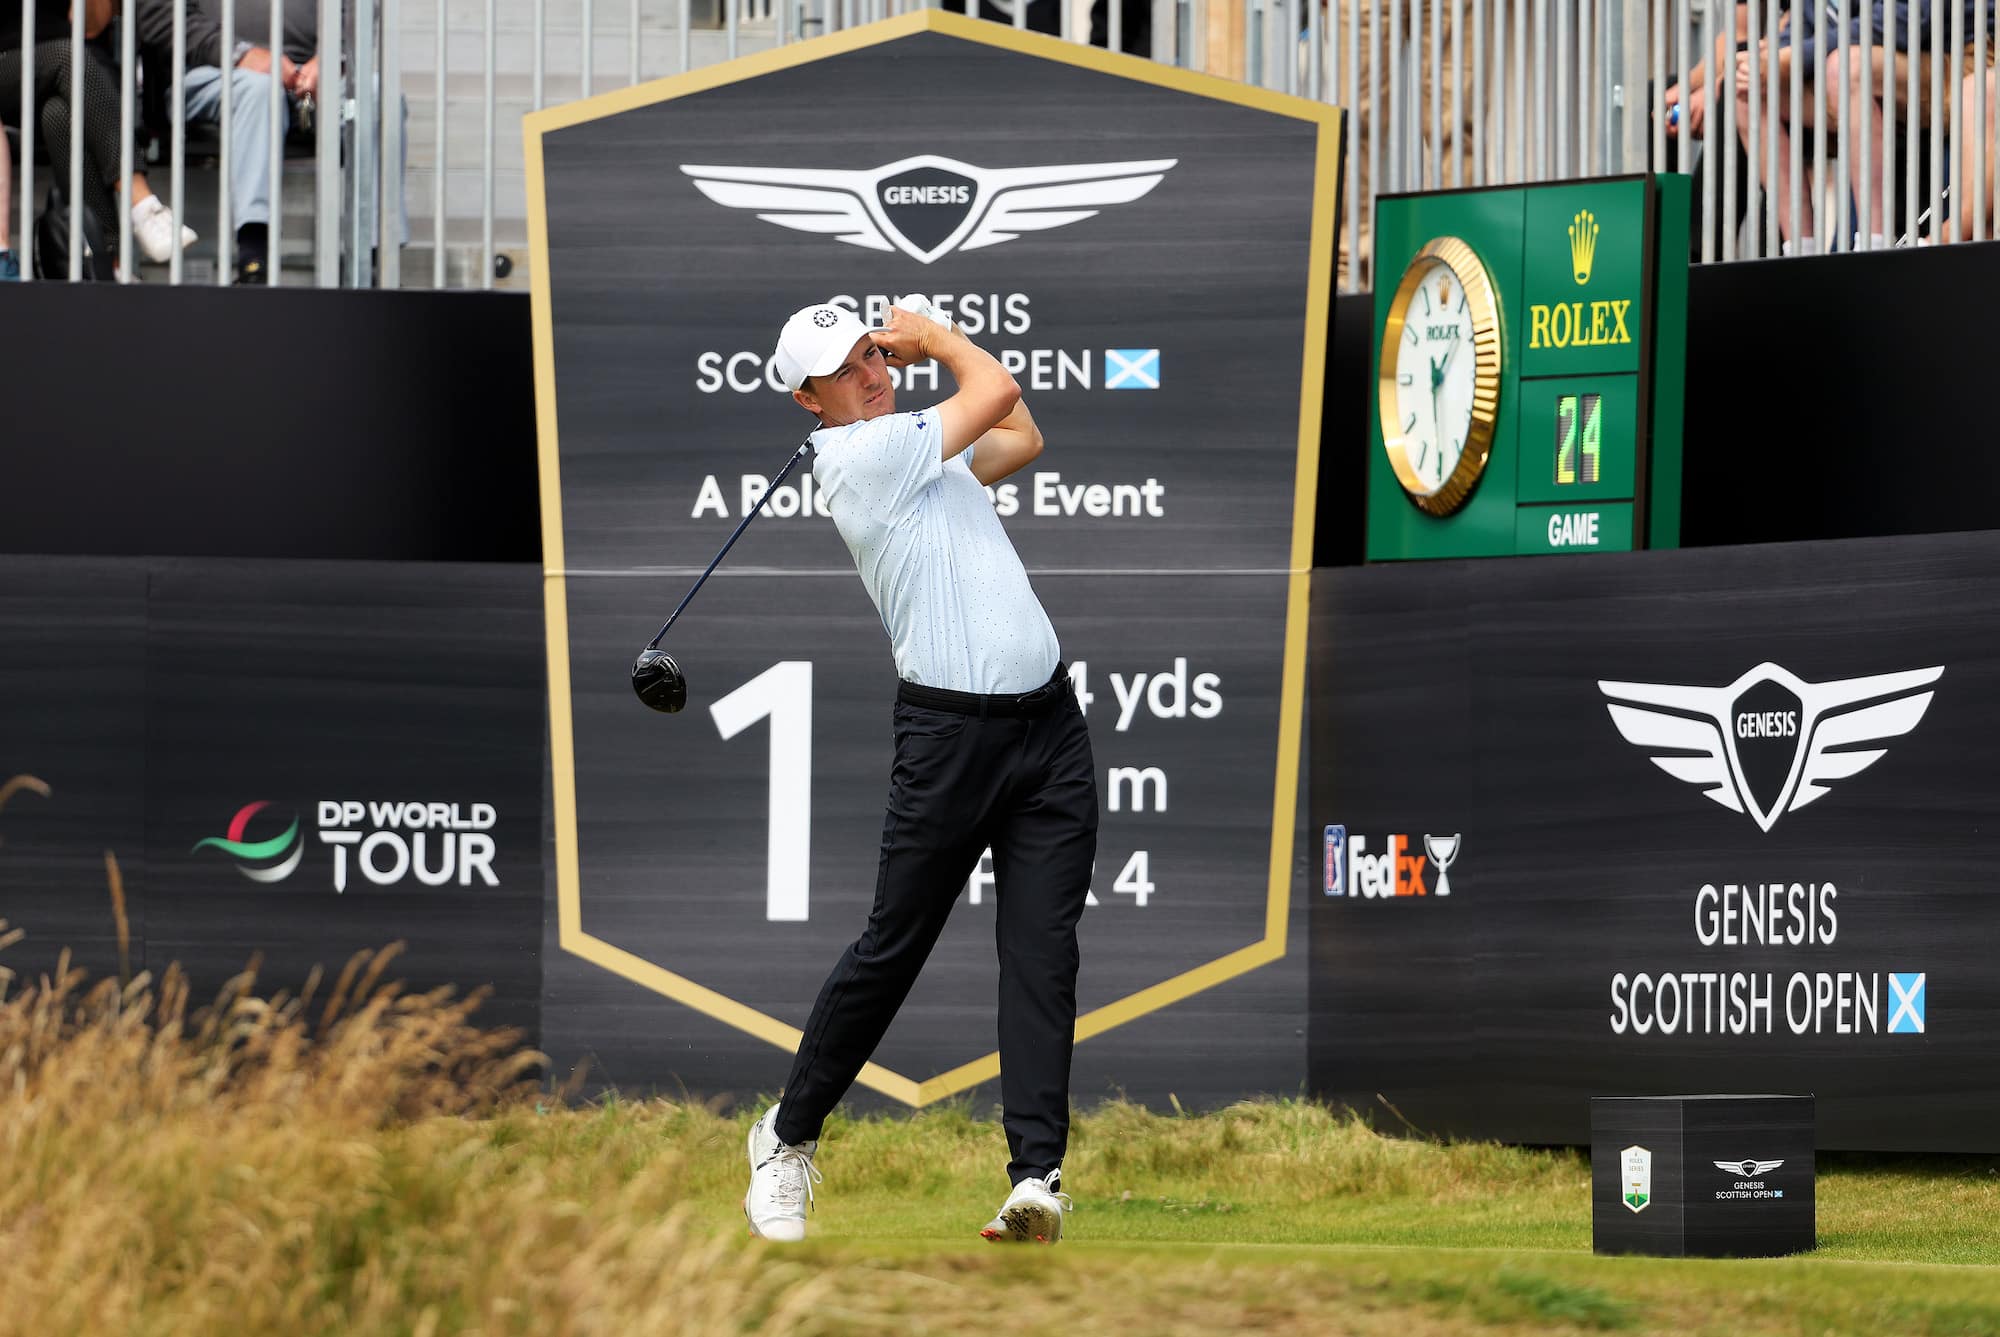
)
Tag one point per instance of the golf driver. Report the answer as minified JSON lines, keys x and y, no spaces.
{"x":656,"y":678}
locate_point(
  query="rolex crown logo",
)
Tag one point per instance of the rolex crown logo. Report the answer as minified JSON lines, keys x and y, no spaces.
{"x":1582,"y":244}
{"x":1444,"y":292}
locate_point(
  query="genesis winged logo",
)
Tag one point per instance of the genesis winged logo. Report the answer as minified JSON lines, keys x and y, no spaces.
{"x":1770,"y":742}
{"x":928,"y":206}
{"x":1748,"y":1169}
{"x":269,"y":860}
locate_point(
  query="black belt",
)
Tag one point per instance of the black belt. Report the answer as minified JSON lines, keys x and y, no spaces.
{"x":1012,"y":705}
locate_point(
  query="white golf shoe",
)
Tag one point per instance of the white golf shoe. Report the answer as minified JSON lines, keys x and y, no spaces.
{"x":781,"y":1183}
{"x":1032,"y":1214}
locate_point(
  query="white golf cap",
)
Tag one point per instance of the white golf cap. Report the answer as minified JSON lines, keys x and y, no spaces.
{"x":815,"y":341}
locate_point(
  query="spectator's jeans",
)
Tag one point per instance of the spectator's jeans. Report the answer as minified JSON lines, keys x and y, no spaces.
{"x":249,"y":133}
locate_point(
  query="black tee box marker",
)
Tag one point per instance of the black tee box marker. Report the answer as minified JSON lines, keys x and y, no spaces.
{"x":1702,"y":1176}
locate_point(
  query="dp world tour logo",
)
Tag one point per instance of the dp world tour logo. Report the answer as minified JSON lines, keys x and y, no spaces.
{"x":1770,"y":742}
{"x":269,"y":860}
{"x":928,"y":206}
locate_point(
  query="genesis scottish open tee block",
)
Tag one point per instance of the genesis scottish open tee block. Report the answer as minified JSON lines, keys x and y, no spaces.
{"x":1702,"y":1176}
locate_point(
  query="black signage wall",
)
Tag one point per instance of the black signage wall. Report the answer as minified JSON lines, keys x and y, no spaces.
{"x":295,"y":759}
{"x":1126,"y":238}
{"x":72,"y":732}
{"x":1662,"y":823}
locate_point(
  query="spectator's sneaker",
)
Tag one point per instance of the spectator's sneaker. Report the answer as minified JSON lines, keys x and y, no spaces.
{"x":781,"y":1182}
{"x":1032,"y":1214}
{"x":10,"y":268}
{"x":153,"y":229}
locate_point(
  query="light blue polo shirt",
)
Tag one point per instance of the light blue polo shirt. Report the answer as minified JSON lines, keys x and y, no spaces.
{"x":952,"y":593}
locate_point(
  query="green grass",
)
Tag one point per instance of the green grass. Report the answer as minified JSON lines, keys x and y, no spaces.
{"x":1291,"y":1172}
{"x":375,"y":1163}
{"x":1285,"y":1217}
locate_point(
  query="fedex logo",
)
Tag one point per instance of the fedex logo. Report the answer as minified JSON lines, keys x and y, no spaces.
{"x":1352,"y":869}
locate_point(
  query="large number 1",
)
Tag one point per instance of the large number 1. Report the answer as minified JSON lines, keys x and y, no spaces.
{"x":784,"y":693}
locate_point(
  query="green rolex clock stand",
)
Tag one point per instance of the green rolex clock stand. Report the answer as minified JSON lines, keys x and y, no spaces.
{"x":1530,"y":367}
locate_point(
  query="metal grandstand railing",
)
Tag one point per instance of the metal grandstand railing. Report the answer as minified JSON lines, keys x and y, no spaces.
{"x":1843,"y":125}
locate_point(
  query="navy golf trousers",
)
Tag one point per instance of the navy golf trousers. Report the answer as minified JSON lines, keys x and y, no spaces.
{"x":1013,"y":772}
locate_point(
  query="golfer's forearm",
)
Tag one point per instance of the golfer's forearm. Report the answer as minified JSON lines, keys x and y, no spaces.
{"x":1021,"y":421}
{"x":977,"y":373}
{"x":1013,"y":443}
{"x":986,"y":391}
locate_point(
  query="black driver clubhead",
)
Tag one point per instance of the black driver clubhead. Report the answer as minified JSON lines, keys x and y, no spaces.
{"x":659,"y":682}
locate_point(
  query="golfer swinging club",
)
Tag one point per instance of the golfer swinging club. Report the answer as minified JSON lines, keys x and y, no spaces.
{"x":991,"y":748}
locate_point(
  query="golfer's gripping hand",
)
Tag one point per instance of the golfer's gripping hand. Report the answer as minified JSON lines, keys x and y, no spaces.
{"x":987,"y":393}
{"x":908,"y":338}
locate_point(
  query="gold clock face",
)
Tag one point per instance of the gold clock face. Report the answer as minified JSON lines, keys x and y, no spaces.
{"x":1439,"y":376}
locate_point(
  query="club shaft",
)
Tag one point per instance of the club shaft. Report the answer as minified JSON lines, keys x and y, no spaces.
{"x":742,"y":525}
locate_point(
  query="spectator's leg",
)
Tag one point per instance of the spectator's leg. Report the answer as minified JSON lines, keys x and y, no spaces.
{"x":100,"y":183}
{"x":1961,"y":206}
{"x":249,"y":155}
{"x":6,"y":194}
{"x":1868,"y":119}
{"x":103,"y":112}
{"x":101,"y":119}
{"x":1790,"y":228}
{"x":10,"y":99}
{"x":249,"y":133}
{"x":1778,"y":190}
{"x":101,"y":122}
{"x":1360,"y":102}
{"x":10,"y":264}
{"x":1992,"y":142}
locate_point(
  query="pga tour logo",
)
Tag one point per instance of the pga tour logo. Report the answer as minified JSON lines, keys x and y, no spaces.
{"x":928,"y":206}
{"x":1770,"y":742}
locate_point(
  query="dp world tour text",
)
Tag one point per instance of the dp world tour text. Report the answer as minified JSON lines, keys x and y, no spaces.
{"x":434,"y":842}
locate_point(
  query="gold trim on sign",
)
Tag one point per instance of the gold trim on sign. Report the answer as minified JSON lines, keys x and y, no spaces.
{"x":572,"y":935}
{"x":1463,"y":262}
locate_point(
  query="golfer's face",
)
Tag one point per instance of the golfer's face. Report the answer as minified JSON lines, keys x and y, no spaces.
{"x":858,"y":389}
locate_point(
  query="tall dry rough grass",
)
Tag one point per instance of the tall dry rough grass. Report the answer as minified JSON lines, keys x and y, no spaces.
{"x":302,"y":1164}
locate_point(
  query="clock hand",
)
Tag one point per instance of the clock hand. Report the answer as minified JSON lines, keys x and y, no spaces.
{"x":1457,"y":341}
{"x":1434,"y":411}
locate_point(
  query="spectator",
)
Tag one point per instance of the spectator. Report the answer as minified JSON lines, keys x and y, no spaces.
{"x":1691,"y":94}
{"x":1967,"y":202}
{"x":1044,"y":16}
{"x":1452,"y":161}
{"x":1802,"y":31}
{"x":251,"y":71}
{"x":152,"y":223}
{"x":1843,"y":62}
{"x":1135,"y":25}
